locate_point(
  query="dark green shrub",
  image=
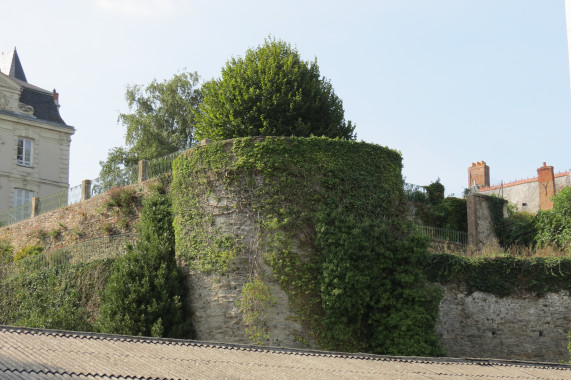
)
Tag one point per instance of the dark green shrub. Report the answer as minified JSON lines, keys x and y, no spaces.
{"x":145,"y":291}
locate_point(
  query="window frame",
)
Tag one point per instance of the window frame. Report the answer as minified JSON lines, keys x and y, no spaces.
{"x":22,"y":197}
{"x":24,"y":153}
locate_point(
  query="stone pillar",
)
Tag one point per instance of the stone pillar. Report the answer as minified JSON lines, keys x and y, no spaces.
{"x":479,"y":174}
{"x":85,"y":189}
{"x":143,"y":171}
{"x":35,"y":207}
{"x":480,"y":225}
{"x":546,"y":184}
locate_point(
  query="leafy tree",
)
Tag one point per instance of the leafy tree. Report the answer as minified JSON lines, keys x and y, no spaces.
{"x":271,"y":92}
{"x":554,"y":226}
{"x":161,"y":121}
{"x":145,"y":291}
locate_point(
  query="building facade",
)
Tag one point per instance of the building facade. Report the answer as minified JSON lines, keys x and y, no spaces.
{"x":529,"y":195}
{"x":34,"y":139}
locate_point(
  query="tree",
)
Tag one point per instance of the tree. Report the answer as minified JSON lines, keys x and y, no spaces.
{"x":161,"y":121}
{"x":271,"y":92}
{"x":145,"y":292}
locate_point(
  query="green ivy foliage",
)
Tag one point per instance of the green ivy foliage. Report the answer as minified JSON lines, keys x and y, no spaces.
{"x":56,"y":298}
{"x":503,"y":275}
{"x":332,"y":222}
{"x":554,"y":226}
{"x":145,"y":290}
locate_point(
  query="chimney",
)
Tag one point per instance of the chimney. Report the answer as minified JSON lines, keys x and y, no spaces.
{"x":479,"y":174}
{"x":546,"y":183}
{"x":56,"y":97}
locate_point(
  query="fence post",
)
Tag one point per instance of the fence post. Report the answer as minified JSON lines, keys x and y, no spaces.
{"x":85,"y":189}
{"x":143,"y":171}
{"x":35,"y":207}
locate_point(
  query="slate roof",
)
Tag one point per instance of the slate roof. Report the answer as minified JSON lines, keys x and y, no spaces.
{"x":10,"y":65}
{"x":41,"y":354}
{"x":45,"y":107}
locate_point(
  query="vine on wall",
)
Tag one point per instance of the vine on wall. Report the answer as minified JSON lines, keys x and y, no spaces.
{"x":331,"y":226}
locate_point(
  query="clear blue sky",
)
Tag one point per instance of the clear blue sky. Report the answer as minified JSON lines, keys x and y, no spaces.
{"x":445,"y":82}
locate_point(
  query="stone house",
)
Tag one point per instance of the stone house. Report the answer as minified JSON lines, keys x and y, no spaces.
{"x":34,"y":139}
{"x":529,"y":195}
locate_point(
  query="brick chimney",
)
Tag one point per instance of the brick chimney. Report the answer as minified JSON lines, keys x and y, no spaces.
{"x":546,"y":183}
{"x":479,"y":174}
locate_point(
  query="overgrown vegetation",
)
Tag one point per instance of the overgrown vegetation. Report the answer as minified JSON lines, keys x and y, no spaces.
{"x":332,"y":227}
{"x":435,"y":210}
{"x":145,"y":291}
{"x":123,"y":203}
{"x":502,"y":275}
{"x":63,"y":297}
{"x":548,"y":228}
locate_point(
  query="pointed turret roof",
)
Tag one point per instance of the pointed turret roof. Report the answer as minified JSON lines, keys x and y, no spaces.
{"x":10,"y":65}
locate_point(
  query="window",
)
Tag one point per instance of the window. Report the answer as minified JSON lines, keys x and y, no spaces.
{"x":24,"y":155}
{"x":22,"y":204}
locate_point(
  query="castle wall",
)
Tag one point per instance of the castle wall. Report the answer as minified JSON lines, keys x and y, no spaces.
{"x":523,"y":327}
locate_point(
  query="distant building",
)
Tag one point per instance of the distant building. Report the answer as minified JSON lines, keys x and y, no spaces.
{"x":34,"y":140}
{"x":530,"y":195}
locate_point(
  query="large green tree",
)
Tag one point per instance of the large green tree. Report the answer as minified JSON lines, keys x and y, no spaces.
{"x":160,"y":121}
{"x":271,"y":92}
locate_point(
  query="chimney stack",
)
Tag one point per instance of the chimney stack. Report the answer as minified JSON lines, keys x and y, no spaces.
{"x":546,"y":183}
{"x":479,"y":174}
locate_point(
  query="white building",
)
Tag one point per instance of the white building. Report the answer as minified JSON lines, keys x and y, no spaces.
{"x":34,"y":140}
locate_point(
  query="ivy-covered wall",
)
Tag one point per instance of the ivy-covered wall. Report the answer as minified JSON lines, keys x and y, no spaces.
{"x":319,"y":220}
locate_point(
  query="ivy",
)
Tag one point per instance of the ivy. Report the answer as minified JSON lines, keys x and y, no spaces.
{"x":503,"y":275}
{"x":331,"y":225}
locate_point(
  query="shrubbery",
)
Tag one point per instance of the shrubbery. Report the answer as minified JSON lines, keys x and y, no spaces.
{"x":145,"y":291}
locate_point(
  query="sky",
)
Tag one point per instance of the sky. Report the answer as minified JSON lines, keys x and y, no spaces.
{"x":445,"y":82}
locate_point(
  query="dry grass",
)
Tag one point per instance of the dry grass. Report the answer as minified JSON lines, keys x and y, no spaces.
{"x":493,"y":249}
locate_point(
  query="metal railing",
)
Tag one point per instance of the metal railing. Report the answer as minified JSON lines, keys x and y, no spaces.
{"x":15,"y":214}
{"x":126,"y":176}
{"x":86,"y":251}
{"x":162,"y":165}
{"x":443,"y":234}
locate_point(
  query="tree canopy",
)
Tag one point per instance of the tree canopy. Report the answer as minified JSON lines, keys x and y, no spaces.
{"x":271,"y":92}
{"x":161,"y":121}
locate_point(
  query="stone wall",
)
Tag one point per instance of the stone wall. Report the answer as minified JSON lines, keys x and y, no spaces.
{"x":217,"y":317}
{"x":480,"y":226}
{"x":523,"y":327}
{"x":69,"y":225}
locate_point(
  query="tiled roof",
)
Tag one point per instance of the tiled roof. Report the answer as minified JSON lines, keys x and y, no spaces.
{"x":41,"y":354}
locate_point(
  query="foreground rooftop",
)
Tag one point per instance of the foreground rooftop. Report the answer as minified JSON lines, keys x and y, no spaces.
{"x":40,"y":354}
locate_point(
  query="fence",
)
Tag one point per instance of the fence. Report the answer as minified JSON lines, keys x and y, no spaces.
{"x":89,"y":250}
{"x":126,"y":176}
{"x":444,"y":234}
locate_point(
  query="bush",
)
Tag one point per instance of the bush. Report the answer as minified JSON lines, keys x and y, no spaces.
{"x":145,"y":291}
{"x":554,"y":226}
